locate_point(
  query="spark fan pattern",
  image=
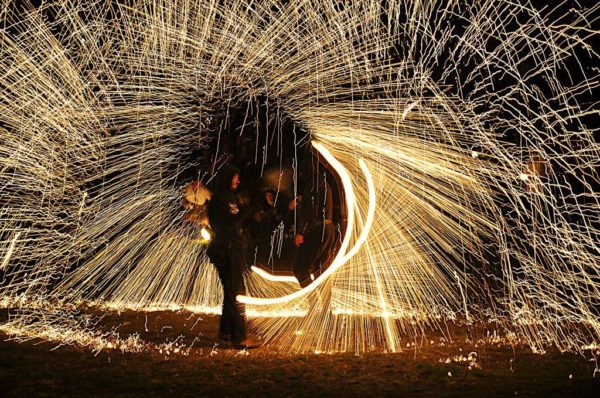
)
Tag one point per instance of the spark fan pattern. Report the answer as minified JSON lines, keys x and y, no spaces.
{"x":474,"y":121}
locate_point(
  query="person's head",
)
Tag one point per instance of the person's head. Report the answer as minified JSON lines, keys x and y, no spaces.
{"x":270,"y":197}
{"x":228,"y":179}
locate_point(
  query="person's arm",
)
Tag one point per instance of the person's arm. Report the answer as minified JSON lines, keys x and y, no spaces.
{"x":301,"y":222}
{"x":222,"y":212}
{"x":245,"y":211}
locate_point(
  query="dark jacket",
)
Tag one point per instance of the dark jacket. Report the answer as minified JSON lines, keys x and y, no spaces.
{"x":225,"y":212}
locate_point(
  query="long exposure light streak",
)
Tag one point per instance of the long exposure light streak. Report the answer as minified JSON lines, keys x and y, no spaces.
{"x":468,"y":130}
{"x":274,"y":278}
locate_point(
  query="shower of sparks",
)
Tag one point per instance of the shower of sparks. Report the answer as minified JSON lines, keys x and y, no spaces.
{"x":472,"y":120}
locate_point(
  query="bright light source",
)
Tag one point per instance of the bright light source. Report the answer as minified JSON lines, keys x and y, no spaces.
{"x":205,"y":234}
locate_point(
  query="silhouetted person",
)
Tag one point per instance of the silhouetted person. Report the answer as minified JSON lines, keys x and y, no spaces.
{"x":266,"y":216}
{"x":227,"y":252}
{"x":315,"y":236}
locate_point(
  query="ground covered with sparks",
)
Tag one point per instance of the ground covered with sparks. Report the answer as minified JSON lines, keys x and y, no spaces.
{"x":182,"y":358}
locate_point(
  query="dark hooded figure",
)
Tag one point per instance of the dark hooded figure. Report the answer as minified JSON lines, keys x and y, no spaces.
{"x":227,"y":252}
{"x":315,"y":236}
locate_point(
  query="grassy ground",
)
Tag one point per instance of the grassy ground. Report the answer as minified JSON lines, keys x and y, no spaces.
{"x":36,"y":370}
